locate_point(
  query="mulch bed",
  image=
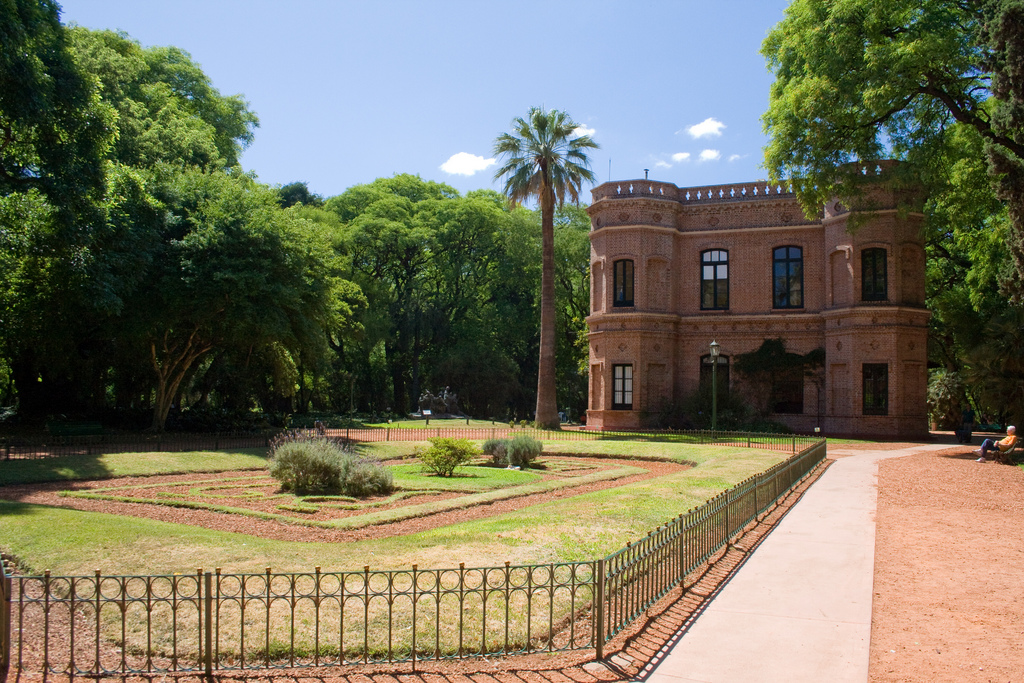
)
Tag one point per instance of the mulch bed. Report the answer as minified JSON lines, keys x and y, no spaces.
{"x":48,"y":494}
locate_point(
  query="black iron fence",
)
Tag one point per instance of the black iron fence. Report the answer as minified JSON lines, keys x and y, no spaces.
{"x":26,"y":448}
{"x":23,"y":448}
{"x":211,"y":621}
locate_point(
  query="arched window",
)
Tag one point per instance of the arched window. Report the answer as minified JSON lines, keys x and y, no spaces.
{"x":788,"y":277}
{"x":873,"y":275}
{"x":714,"y":279}
{"x":622,"y":287}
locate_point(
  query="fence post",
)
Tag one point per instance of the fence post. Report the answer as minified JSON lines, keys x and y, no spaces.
{"x":599,"y":610}
{"x":415,"y":599}
{"x":5,"y":622}
{"x":208,"y":617}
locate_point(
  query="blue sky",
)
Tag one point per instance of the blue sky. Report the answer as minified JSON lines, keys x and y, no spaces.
{"x":349,"y":91}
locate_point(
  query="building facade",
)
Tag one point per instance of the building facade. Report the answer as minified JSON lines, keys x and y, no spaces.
{"x":674,"y":268}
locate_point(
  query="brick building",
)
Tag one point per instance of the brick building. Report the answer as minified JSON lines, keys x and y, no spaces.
{"x":674,"y":268}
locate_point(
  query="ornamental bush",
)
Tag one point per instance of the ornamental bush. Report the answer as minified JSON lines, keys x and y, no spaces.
{"x":522,"y":450}
{"x":308,"y":464}
{"x":311,"y":465}
{"x":497,"y":449}
{"x":446,"y":455}
{"x":519,"y":451}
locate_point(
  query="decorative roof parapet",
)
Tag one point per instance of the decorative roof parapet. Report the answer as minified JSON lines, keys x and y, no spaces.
{"x":706,"y":194}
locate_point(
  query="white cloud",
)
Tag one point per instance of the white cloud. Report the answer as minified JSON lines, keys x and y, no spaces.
{"x":710,"y":155}
{"x":734,"y":157}
{"x":680,"y":156}
{"x":708,"y":128}
{"x":465,"y":163}
{"x":662,"y":164}
{"x":583,"y":130}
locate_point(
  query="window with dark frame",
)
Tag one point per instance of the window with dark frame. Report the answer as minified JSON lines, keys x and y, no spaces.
{"x":873,"y":275}
{"x":876,"y":389}
{"x":714,"y":279}
{"x":788,"y":277}
{"x":623,"y":283}
{"x":622,"y":387}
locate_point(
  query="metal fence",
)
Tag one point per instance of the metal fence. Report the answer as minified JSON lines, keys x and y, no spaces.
{"x":23,"y":448}
{"x":28,"y":448}
{"x":211,"y":621}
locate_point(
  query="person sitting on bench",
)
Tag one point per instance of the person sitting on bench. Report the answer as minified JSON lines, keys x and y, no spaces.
{"x":1002,"y":445}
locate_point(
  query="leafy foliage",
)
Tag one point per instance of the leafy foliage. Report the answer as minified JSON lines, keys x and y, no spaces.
{"x":445,"y":455}
{"x":307,"y":466}
{"x":317,"y":465}
{"x":519,"y":451}
{"x":860,"y":80}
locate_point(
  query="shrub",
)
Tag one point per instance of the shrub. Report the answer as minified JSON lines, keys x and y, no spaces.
{"x":498,"y":450}
{"x":522,"y":450}
{"x":310,"y":465}
{"x":361,"y":477}
{"x":306,"y":464}
{"x":445,"y":455}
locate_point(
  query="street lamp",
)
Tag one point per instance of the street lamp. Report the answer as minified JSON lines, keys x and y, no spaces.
{"x":714,"y":387}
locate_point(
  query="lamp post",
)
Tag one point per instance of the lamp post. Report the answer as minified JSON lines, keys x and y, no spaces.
{"x":714,"y":387}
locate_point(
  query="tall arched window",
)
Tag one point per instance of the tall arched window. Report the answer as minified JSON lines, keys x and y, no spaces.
{"x":788,"y":277}
{"x":622,"y":287}
{"x":873,"y":275}
{"x":714,"y":279}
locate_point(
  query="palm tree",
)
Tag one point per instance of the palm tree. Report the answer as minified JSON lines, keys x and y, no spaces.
{"x":544,"y":158}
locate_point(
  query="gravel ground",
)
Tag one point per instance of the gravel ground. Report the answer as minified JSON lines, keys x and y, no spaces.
{"x":949,"y":570}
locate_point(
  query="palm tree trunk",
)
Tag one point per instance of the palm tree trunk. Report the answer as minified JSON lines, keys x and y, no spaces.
{"x":547,"y":406}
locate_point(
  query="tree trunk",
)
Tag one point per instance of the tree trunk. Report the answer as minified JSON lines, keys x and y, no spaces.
{"x":170,"y":370}
{"x":547,"y":406}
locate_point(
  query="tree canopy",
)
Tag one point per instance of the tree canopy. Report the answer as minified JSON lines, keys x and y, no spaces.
{"x":858,"y":80}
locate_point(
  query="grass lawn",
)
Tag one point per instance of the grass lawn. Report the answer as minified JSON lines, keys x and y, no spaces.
{"x":570,"y":528}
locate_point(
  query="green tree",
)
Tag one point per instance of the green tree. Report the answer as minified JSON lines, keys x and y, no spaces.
{"x":544,"y":159}
{"x":231,"y":271}
{"x":858,"y":80}
{"x":54,"y":131}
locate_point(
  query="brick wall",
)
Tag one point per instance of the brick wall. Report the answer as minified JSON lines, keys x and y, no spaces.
{"x":664,"y":230}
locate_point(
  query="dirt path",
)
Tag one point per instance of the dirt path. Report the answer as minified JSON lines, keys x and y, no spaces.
{"x":949,"y":570}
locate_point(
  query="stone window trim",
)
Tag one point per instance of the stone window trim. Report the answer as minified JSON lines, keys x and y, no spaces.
{"x":875,"y":397}
{"x":714,"y":279}
{"x":874,"y":273}
{"x":622,"y":386}
{"x":623,"y":283}
{"x":788,"y":294}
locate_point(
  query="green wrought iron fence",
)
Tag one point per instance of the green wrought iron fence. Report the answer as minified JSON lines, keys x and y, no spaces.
{"x":636,"y":577}
{"x":211,"y":621}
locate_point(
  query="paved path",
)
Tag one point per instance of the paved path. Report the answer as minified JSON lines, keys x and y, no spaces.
{"x":799,"y":609}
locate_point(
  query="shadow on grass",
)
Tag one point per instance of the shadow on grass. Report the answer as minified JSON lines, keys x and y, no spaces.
{"x":69,"y":468}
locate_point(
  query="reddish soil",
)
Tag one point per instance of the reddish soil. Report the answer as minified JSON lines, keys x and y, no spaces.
{"x":48,"y":494}
{"x":949,"y":570}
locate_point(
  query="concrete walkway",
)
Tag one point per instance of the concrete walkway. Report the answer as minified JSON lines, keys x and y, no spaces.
{"x":799,"y":609}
